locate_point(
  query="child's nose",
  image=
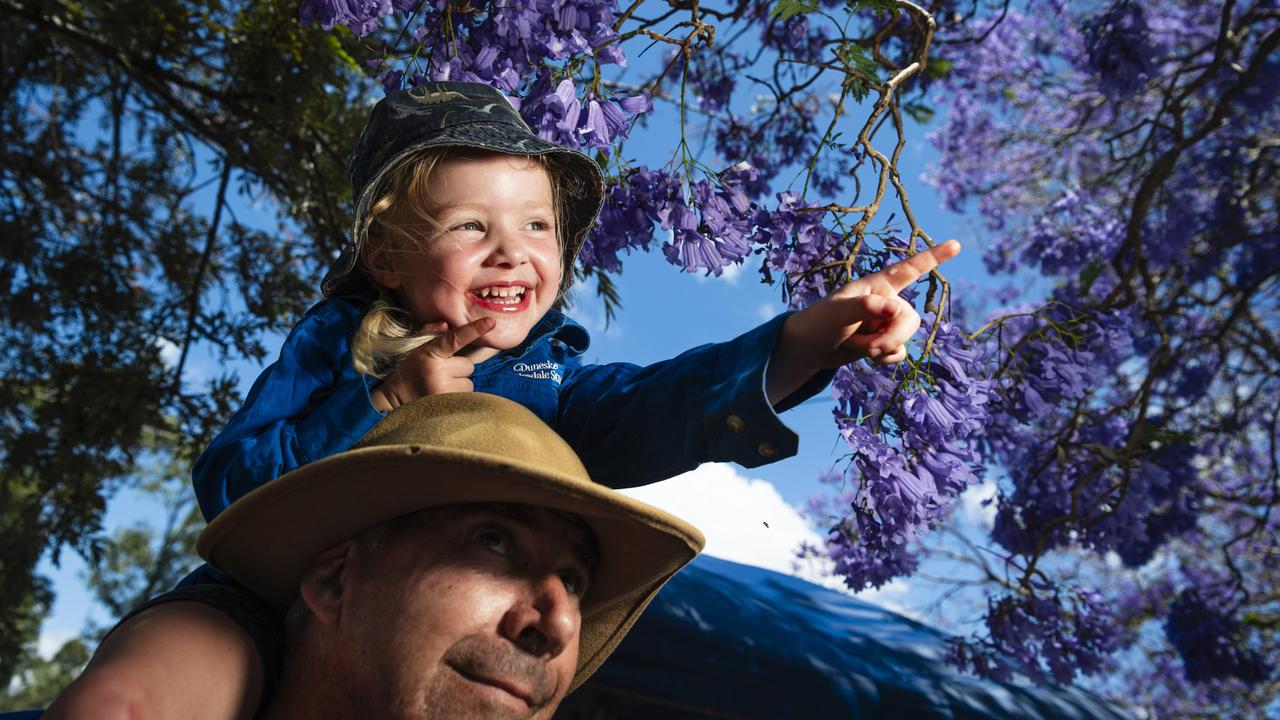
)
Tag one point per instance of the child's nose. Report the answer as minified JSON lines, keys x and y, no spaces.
{"x":509,"y":249}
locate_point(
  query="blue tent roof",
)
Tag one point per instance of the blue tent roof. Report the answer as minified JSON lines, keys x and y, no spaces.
{"x":726,"y":640}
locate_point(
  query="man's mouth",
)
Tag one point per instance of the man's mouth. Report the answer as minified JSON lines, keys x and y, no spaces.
{"x":501,"y":298}
{"x":516,"y":691}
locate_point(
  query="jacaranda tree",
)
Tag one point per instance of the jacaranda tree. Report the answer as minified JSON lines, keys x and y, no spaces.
{"x":1119,"y":159}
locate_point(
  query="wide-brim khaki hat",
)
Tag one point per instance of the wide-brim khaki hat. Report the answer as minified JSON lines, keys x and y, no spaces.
{"x":445,"y":450}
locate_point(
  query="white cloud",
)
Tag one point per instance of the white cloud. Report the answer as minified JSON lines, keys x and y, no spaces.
{"x":169,"y":353}
{"x":732,"y":272}
{"x":732,"y":509}
{"x":894,"y":595}
{"x":972,"y":509}
{"x":729,"y":274}
{"x":767,"y":312}
{"x":745,"y":520}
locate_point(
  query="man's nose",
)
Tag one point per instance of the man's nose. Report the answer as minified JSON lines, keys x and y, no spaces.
{"x":545,"y":619}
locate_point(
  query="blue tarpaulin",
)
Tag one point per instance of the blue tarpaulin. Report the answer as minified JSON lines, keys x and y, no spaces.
{"x":724,"y":640}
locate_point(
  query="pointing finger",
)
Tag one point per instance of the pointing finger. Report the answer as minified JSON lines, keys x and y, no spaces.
{"x":901,"y":274}
{"x":454,"y":340}
{"x":439,"y":327}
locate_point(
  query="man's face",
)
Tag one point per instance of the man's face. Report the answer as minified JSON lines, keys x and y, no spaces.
{"x":470,"y":611}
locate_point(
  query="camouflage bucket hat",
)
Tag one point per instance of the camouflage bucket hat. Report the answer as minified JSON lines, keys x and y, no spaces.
{"x":465,"y":116}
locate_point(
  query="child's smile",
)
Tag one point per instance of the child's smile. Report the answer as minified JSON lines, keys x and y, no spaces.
{"x":502,"y":298}
{"x":499,"y":255}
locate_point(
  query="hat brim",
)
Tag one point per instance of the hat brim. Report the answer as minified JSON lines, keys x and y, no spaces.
{"x":268,"y":539}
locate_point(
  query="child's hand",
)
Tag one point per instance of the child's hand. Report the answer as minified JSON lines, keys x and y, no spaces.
{"x":865,"y":318}
{"x":433,"y":368}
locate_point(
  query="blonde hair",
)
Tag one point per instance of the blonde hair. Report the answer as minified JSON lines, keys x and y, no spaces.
{"x":398,"y":222}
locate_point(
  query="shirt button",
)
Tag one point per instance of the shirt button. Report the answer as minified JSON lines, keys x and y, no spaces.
{"x":735,"y":423}
{"x":767,"y":450}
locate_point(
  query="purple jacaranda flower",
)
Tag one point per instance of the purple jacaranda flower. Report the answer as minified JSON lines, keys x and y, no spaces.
{"x":631,"y":208}
{"x":1210,"y":642}
{"x":392,"y":80}
{"x":636,"y":104}
{"x":569,"y":105}
{"x":362,"y":16}
{"x":596,"y":130}
{"x":1049,"y":634}
{"x":1119,"y":47}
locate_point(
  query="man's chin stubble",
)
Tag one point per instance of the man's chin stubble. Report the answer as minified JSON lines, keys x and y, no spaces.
{"x":479,"y":658}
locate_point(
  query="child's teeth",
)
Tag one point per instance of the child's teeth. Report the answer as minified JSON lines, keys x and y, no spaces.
{"x":514,"y":293}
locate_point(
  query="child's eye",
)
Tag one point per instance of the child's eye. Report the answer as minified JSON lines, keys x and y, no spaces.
{"x":538,"y":226}
{"x":469,"y":226}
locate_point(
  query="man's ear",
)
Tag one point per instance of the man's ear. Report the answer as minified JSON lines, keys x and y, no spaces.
{"x":381,"y":269}
{"x":322,"y":587}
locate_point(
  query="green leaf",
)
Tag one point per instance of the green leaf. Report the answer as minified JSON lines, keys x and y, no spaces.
{"x":862,"y":68}
{"x":919,"y":112}
{"x":937,"y":68}
{"x":859,"y":5}
{"x":787,"y":9}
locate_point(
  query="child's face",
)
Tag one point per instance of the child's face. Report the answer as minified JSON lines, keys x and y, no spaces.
{"x":498,"y":256}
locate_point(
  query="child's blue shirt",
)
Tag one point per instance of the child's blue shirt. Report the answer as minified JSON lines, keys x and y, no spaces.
{"x":631,"y":425}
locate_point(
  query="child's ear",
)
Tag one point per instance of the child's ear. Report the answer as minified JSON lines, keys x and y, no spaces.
{"x":322,"y":587}
{"x":381,"y":269}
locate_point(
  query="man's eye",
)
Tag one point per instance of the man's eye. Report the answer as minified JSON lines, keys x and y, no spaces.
{"x":494,"y":541}
{"x":574,"y":583}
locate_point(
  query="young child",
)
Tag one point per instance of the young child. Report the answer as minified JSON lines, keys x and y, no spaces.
{"x":467,"y":227}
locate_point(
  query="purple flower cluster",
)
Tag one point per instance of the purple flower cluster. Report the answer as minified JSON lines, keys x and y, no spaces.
{"x":1069,"y":234}
{"x":631,"y":207}
{"x":1209,"y":641}
{"x":362,"y":16}
{"x":709,"y":230}
{"x":796,"y":242}
{"x":1119,"y":47}
{"x":1132,"y":409}
{"x":557,"y":114}
{"x":519,"y":48}
{"x":773,"y":139}
{"x":910,"y":460}
{"x":1088,"y":486}
{"x":715,"y":229}
{"x":1049,"y":635}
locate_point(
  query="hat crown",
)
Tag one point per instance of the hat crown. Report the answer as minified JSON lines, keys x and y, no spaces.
{"x":481,"y":425}
{"x":420,"y":115}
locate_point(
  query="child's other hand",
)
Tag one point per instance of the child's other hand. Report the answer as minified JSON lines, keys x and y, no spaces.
{"x":433,"y":368}
{"x":865,"y":318}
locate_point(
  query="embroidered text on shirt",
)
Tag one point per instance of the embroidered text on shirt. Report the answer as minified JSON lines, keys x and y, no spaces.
{"x":546,"y":370}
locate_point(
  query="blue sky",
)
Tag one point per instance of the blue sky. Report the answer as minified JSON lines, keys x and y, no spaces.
{"x":749,"y":515}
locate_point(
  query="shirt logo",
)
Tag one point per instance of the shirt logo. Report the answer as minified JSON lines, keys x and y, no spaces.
{"x":547,"y":370}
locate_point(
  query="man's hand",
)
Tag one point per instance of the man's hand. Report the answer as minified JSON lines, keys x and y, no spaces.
{"x":865,"y":318}
{"x":433,"y":368}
